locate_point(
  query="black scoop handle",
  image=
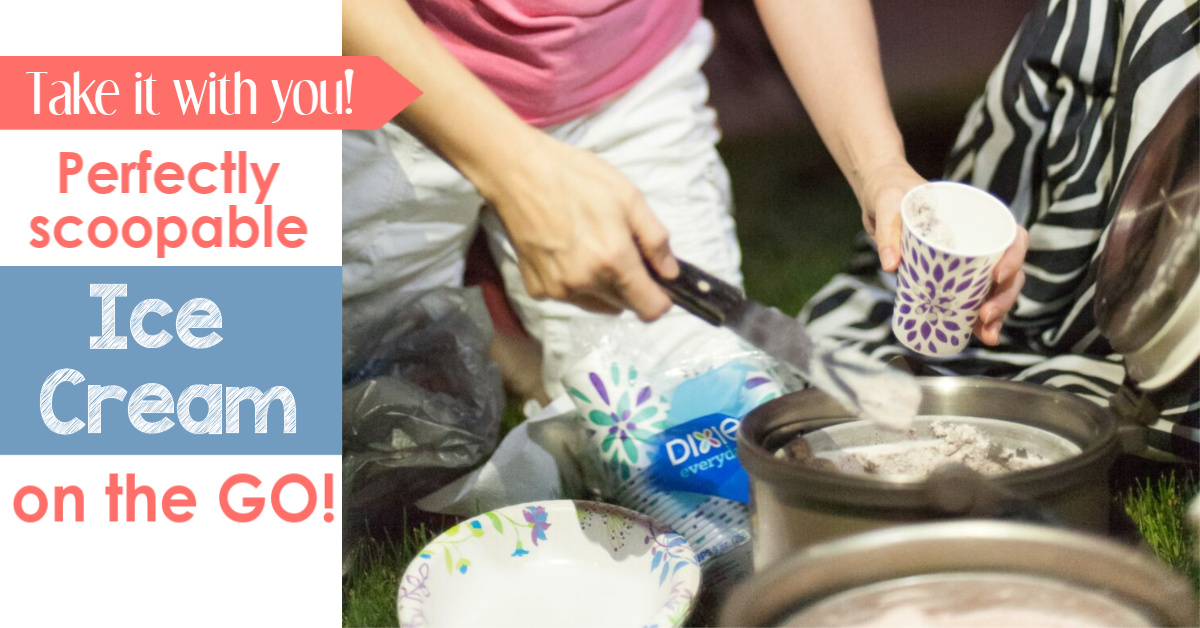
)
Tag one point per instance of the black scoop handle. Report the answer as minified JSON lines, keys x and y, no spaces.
{"x":700,"y":293}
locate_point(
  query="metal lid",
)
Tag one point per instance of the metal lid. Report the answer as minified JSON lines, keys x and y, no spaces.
{"x":1147,"y":299}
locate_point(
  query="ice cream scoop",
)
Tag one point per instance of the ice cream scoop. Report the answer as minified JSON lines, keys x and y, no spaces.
{"x":867,"y":387}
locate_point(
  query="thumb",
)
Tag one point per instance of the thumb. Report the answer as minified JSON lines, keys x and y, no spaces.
{"x":887,"y":234}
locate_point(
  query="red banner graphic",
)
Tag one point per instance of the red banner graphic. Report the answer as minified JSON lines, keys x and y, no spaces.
{"x":167,"y":93}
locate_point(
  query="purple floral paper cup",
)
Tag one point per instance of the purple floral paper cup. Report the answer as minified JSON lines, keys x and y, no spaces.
{"x":620,"y":410}
{"x":953,"y":236}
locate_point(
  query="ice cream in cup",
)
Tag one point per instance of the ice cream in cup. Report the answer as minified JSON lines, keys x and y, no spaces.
{"x":953,"y":237}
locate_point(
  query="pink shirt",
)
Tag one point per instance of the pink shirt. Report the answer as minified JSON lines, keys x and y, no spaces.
{"x":554,"y":60}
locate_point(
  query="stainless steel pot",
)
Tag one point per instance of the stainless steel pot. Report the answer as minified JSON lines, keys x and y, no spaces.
{"x":902,"y":559}
{"x":794,"y":506}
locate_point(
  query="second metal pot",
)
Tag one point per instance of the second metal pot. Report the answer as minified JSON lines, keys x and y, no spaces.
{"x":900,"y":560}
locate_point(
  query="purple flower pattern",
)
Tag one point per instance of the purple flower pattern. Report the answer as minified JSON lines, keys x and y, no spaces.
{"x":938,"y":298}
{"x":622,"y":424}
{"x":414,"y":588}
{"x":535,"y":516}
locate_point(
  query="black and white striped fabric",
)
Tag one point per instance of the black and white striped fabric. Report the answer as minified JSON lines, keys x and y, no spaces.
{"x":1079,"y":88}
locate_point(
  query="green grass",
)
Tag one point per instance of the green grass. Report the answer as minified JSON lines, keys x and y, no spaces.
{"x":1158,"y":507}
{"x":369,"y":589}
{"x":796,"y":217}
{"x":512,"y":417}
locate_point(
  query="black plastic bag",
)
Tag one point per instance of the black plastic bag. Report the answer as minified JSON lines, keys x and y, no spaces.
{"x":421,"y":399}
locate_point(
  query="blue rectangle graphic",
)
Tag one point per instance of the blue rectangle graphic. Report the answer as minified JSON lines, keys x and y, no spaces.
{"x":279,"y":352}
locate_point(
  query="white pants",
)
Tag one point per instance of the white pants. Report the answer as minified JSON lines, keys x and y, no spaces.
{"x":408,"y":216}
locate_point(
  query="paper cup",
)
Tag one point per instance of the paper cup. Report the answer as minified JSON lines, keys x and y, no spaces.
{"x":620,"y":412}
{"x":953,"y":236}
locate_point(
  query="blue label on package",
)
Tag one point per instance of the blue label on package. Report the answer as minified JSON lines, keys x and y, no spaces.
{"x":700,"y":456}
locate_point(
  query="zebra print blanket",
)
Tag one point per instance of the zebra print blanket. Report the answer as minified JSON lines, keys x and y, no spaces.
{"x":1079,"y":88}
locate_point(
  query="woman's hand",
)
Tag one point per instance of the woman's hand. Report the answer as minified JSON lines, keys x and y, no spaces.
{"x":1009,"y":278}
{"x":882,"y":188}
{"x":581,"y":230}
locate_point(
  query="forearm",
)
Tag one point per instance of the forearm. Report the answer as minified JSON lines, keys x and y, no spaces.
{"x":580,"y":229}
{"x":831,"y":55}
{"x":457,"y":115}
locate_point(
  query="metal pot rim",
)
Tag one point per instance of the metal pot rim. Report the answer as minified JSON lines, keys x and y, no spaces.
{"x":771,"y":595}
{"x":842,"y":488}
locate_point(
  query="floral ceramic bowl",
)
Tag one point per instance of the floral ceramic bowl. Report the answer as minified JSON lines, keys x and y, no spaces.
{"x":555,"y":563}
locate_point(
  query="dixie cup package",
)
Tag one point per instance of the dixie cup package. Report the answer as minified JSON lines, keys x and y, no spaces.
{"x":662,"y":437}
